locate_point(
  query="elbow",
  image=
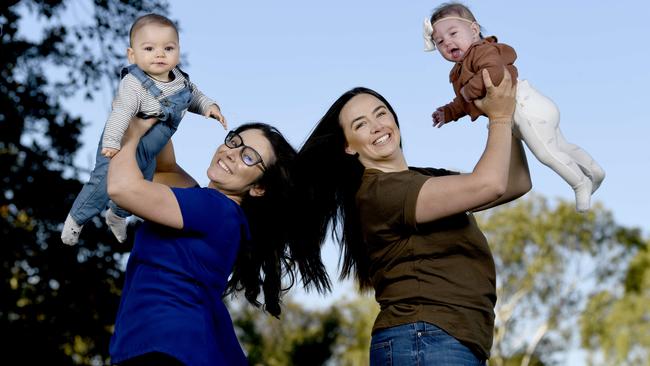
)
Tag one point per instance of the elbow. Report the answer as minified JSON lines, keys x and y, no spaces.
{"x":524,"y":186}
{"x":494,"y":187}
{"x":112,"y":189}
{"x":115,"y":189}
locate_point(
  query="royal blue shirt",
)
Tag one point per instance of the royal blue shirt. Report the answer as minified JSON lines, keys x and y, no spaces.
{"x":171,"y":300}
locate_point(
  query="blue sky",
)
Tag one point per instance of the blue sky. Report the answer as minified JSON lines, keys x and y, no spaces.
{"x":285,"y":62}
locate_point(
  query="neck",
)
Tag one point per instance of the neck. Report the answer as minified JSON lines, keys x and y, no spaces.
{"x":235,"y":197}
{"x":169,"y":77}
{"x":390,"y":165}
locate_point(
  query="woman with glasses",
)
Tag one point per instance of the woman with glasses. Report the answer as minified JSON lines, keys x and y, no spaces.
{"x":171,"y":311}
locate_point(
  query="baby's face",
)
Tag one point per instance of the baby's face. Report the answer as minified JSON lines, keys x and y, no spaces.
{"x":453,"y":37}
{"x":155,"y":50}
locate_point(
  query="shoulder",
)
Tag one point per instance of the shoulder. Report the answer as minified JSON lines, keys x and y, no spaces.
{"x":493,"y":42}
{"x":198,"y":198}
{"x":206,"y":208}
{"x":180,"y":74}
{"x":380,"y":188}
{"x":130,"y":81}
{"x":178,"y":71}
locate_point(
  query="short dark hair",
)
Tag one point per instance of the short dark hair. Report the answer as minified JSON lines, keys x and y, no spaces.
{"x":266,"y":257}
{"x":150,"y":19}
{"x":327,"y":181}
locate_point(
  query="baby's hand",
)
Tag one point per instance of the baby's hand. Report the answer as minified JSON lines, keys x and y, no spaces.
{"x":109,"y":152}
{"x":215,"y":112}
{"x":438,"y":118}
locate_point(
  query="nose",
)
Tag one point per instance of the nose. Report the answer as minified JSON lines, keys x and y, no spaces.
{"x":231,"y":154}
{"x":160,"y":53}
{"x":375,"y":126}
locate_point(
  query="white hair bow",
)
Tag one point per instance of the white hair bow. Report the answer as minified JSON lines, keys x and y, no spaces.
{"x":428,"y":32}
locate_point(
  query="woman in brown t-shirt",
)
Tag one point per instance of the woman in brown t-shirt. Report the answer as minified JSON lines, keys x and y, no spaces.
{"x":408,"y":232}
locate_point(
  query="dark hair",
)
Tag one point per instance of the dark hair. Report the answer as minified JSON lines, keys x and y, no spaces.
{"x":453,"y":9}
{"x":150,"y":19}
{"x":327,"y":181}
{"x":266,"y":259}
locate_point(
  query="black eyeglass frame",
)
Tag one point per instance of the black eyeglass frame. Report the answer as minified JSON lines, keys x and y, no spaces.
{"x":233,"y":141}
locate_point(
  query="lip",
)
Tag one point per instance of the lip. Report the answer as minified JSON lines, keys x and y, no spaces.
{"x":224,"y":166}
{"x":386,"y":137}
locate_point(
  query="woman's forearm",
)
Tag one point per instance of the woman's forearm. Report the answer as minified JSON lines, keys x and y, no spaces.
{"x":493,"y":167}
{"x":518,"y":176}
{"x":168,"y":172}
{"x":129,"y":190}
{"x":124,"y":173}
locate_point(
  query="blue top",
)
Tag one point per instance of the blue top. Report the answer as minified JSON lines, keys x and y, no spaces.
{"x":171,"y":301}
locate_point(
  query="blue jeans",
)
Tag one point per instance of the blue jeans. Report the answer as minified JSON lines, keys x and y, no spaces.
{"x":93,"y":197}
{"x":419,"y":344}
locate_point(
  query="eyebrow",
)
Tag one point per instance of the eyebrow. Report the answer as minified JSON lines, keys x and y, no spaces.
{"x":362,"y":117}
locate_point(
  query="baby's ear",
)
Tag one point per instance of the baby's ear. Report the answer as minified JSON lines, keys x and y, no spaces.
{"x":476,"y":28}
{"x":130,"y":54}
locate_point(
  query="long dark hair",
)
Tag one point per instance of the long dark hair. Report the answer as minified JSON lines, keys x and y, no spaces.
{"x":327,"y":181}
{"x":266,"y":259}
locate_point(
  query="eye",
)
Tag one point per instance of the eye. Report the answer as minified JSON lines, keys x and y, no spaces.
{"x":439,"y":41}
{"x":358,"y":125}
{"x":381,"y":113}
{"x":169,"y":49}
{"x":453,"y":34}
{"x":248,"y":157}
{"x":148,"y":48}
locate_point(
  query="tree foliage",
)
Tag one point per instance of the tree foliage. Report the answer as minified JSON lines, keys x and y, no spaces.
{"x":615,"y":326}
{"x":338,"y":335}
{"x":57,"y":303}
{"x":550,"y":262}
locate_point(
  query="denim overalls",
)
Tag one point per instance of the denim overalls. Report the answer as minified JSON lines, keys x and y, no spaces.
{"x":93,"y":196}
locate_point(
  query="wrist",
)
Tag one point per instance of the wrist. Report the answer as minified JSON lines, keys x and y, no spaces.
{"x":501,"y":120}
{"x":507,"y":122}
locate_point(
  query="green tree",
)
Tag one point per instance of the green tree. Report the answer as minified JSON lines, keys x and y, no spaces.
{"x":57,"y":303}
{"x":615,"y":326}
{"x":550,"y":261}
{"x":337,"y":335}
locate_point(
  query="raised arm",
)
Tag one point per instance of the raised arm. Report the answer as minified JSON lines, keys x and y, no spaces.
{"x":168,"y":172}
{"x":127,"y":187}
{"x":444,"y":196}
{"x":519,"y":182}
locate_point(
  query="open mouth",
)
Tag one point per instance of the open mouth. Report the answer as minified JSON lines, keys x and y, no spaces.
{"x":456,"y":53}
{"x":224,"y":166}
{"x":382,"y":140}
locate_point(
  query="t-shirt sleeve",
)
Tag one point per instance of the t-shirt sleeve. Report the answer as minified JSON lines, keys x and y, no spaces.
{"x":388,"y":203}
{"x":200,"y":208}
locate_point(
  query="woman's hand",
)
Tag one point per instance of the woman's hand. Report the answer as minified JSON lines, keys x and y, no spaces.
{"x":499,"y":101}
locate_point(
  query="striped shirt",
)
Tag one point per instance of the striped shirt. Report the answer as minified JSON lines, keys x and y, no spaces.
{"x":133,"y":98}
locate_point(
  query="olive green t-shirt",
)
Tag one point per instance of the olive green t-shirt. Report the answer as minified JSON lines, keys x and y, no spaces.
{"x":441,"y":272}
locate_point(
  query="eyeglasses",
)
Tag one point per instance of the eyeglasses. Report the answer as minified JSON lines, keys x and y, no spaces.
{"x":248,"y":155}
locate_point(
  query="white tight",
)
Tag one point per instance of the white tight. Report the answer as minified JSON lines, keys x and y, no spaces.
{"x":537,"y":121}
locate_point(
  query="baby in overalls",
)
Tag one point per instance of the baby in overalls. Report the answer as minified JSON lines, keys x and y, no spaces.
{"x":152,"y":86}
{"x":454,"y":31}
